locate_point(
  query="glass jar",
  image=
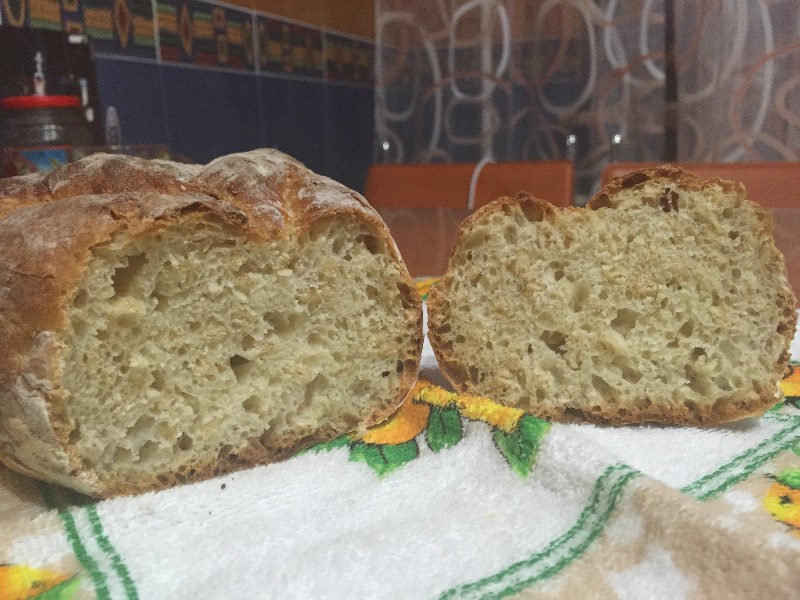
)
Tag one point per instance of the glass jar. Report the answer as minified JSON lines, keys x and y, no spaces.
{"x":37,"y":132}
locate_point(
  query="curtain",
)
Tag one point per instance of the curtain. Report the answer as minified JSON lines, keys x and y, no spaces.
{"x":590,"y":80}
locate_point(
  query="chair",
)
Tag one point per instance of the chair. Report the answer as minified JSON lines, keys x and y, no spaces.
{"x":430,"y":185}
{"x":550,"y":180}
{"x":771,"y":184}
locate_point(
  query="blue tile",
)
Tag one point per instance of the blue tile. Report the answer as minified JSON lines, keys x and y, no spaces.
{"x":327,"y":127}
{"x":349,"y":135}
{"x":210,"y":112}
{"x":134,"y":88}
{"x":294,"y":118}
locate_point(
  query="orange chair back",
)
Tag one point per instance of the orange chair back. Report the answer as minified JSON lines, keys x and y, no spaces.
{"x":430,"y":185}
{"x":550,"y":180}
{"x":770,"y":184}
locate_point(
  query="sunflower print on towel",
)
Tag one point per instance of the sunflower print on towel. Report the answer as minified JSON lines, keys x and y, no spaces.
{"x":439,"y":414}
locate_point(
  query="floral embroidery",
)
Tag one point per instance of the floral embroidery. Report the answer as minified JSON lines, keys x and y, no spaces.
{"x":20,"y":582}
{"x":439,"y":414}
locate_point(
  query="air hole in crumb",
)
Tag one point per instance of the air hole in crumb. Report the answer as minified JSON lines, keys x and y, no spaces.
{"x":629,"y":374}
{"x":240,"y":366}
{"x":580,"y":295}
{"x":687,"y":328}
{"x":372,"y":292}
{"x":185,"y":442}
{"x":370,"y":242}
{"x":460,"y":339}
{"x":315,"y":387}
{"x":530,"y":349}
{"x":159,"y":381}
{"x":555,"y":340}
{"x":122,"y":455}
{"x":124,"y":277}
{"x":148,"y":449}
{"x":80,"y":299}
{"x":263,"y":439}
{"x":385,"y":374}
{"x":194,"y":326}
{"x":143,"y":424}
{"x":624,"y":321}
{"x":227,"y":453}
{"x":540,"y":394}
{"x":280,"y":322}
{"x":733,"y":234}
{"x":715,"y":299}
{"x":558,"y":275}
{"x":252,"y":405}
{"x":532,"y":211}
{"x":399,"y":367}
{"x":75,"y":434}
{"x":697,"y":352}
{"x":642,"y":403}
{"x":248,"y":342}
{"x":727,"y":213}
{"x":162,"y":301}
{"x":695,"y":382}
{"x":315,"y":339}
{"x":602,"y":387}
{"x":510,"y":234}
{"x":736,"y":273}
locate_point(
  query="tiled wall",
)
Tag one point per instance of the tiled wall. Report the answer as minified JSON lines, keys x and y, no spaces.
{"x":208,"y":78}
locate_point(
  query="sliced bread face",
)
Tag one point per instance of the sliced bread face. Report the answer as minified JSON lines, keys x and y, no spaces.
{"x":157,"y":339}
{"x":665,"y":300}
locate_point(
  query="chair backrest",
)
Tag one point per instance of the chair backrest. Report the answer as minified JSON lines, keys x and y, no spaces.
{"x":550,"y":180}
{"x":770,"y":184}
{"x":429,"y":185}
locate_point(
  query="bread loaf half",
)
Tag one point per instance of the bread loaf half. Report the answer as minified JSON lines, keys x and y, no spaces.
{"x":163,"y":323}
{"x":665,"y":300}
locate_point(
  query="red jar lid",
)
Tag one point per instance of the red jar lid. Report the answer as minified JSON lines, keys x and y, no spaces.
{"x":26,"y":102}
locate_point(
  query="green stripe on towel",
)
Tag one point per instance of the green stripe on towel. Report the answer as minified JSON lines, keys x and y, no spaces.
{"x":82,"y":553}
{"x":74,"y":539}
{"x":116,"y":560}
{"x":561,"y":551}
{"x":743,"y":465}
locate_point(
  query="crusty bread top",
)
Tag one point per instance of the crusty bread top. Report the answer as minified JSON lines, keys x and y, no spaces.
{"x":616,"y":196}
{"x":265,"y":192}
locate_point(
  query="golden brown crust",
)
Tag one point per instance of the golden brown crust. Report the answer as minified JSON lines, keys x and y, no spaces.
{"x":723,"y":410}
{"x":47,"y":232}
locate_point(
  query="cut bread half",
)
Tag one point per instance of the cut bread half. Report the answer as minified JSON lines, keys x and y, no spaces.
{"x":665,"y":300}
{"x":165,"y":336}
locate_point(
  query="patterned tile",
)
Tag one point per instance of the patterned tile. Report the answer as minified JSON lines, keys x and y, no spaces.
{"x":205,"y":34}
{"x":120,"y":26}
{"x":349,"y":60}
{"x":289,"y":48}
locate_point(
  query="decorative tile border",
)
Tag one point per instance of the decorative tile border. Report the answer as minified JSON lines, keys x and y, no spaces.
{"x":289,"y":48}
{"x":203,"y":33}
{"x":349,"y":60}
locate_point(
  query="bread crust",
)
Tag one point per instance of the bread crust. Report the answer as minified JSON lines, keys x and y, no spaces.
{"x":724,"y":409}
{"x":48,"y":227}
